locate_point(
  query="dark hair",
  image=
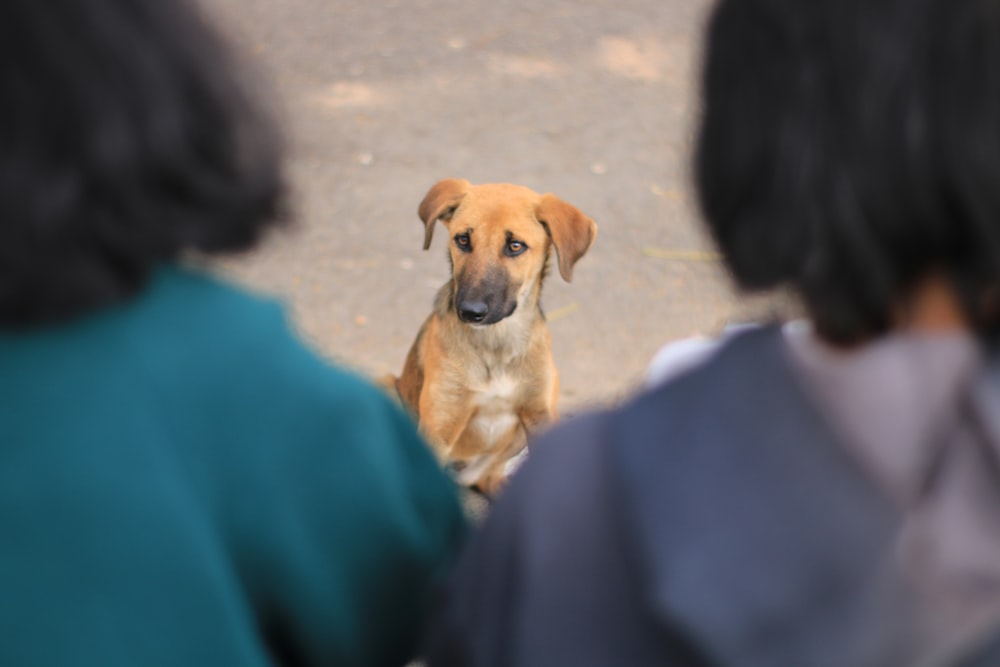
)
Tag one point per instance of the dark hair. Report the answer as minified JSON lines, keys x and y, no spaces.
{"x":127,"y":138}
{"x":851,"y":148}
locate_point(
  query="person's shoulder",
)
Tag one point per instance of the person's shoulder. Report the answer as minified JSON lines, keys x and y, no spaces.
{"x":685,"y":368}
{"x":691,"y":382}
{"x":201,"y":296}
{"x":242,"y":347}
{"x":566,"y":443}
{"x":676,"y":358}
{"x":208,"y":310}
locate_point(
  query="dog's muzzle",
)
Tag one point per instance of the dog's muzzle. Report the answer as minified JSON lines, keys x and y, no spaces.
{"x":486,"y":300}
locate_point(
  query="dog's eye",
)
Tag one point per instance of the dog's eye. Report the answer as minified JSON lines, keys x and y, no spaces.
{"x":515,"y":248}
{"x":463,"y":242}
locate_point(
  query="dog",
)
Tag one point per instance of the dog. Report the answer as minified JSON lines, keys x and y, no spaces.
{"x":480,"y":376}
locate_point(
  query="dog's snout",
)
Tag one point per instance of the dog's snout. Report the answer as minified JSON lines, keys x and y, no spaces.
{"x":473,"y":311}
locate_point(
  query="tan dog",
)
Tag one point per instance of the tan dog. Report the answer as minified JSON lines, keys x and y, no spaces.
{"x":480,"y":374}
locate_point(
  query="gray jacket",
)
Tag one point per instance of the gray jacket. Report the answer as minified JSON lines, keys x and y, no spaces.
{"x":713,"y":521}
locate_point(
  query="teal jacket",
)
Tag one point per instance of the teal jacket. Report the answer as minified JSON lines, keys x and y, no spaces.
{"x":183,"y":483}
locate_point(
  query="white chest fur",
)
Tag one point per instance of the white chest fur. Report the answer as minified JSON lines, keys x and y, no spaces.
{"x":495,"y":414}
{"x":493,"y":426}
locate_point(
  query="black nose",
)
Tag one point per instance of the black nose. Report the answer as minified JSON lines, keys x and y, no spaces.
{"x":472,"y":311}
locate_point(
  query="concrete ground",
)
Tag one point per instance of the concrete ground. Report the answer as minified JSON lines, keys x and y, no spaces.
{"x":593,"y":100}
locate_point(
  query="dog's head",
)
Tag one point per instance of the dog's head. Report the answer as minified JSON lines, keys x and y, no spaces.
{"x":500,"y":240}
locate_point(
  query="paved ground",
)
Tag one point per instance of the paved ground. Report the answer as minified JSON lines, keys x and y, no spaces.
{"x":590,"y":99}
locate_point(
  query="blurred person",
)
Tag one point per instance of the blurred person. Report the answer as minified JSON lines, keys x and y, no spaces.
{"x":827,"y":494}
{"x":182,"y":482}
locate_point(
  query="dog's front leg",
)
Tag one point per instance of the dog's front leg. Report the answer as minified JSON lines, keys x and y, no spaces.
{"x":539,"y":407}
{"x":444,"y":416}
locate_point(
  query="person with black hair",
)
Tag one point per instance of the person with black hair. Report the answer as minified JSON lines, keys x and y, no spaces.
{"x":182,"y":482}
{"x":825,"y":493}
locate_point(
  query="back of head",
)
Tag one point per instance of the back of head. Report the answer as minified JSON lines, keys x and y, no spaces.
{"x":851,"y":148}
{"x":127,"y":139}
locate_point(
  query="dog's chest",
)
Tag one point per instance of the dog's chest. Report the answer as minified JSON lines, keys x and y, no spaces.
{"x":496,"y":402}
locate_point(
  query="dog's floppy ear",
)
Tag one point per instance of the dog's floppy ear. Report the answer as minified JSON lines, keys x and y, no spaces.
{"x":440,"y":202}
{"x":572,"y":232}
